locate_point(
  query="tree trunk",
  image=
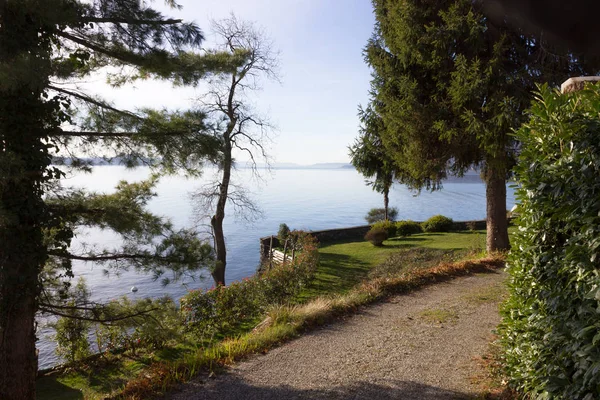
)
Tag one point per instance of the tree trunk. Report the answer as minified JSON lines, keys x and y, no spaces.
{"x":22,"y":248}
{"x":497,"y":224}
{"x":386,"y":203}
{"x":24,"y":120}
{"x":18,"y":294}
{"x":216,"y":221}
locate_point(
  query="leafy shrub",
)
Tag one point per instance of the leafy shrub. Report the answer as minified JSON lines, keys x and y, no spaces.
{"x":121,"y":325}
{"x":550,"y":329}
{"x":71,"y":338}
{"x":407,"y":228}
{"x":388,"y":226}
{"x":153,"y":324}
{"x":283,"y":233}
{"x":438,"y":223}
{"x":222,"y":310}
{"x":376,"y":236}
{"x":378,"y":214}
{"x":71,"y":331}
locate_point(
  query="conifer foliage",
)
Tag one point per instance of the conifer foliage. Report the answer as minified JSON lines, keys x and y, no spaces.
{"x":44,"y":45}
{"x":370,"y":159}
{"x":450,"y":85}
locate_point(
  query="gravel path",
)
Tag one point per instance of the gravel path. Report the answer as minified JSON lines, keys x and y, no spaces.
{"x":416,"y":346}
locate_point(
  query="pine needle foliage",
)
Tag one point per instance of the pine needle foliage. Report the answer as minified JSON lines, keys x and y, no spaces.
{"x":450,"y":86}
{"x":45,"y":47}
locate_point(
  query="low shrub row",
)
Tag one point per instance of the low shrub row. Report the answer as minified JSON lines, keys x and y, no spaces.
{"x":222,"y":310}
{"x":203,"y":314}
{"x":383,"y":230}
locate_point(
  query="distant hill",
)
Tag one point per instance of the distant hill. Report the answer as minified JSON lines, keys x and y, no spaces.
{"x":298,"y":166}
{"x":329,"y":166}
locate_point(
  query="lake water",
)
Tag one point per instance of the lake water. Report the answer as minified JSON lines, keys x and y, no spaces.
{"x":308,"y":199}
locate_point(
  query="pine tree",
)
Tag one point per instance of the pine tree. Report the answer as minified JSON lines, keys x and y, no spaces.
{"x":44,"y":44}
{"x":367,"y":155}
{"x":451,"y":87}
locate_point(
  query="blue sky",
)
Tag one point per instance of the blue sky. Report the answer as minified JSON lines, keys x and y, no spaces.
{"x":323,"y":75}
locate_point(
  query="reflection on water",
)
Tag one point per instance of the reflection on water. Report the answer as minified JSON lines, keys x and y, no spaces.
{"x":309,"y":199}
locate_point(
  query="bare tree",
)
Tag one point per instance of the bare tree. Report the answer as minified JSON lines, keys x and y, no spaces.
{"x":238,"y":127}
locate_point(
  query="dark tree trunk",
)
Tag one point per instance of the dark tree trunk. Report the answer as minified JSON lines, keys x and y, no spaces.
{"x":24,"y":159}
{"x":386,"y":203}
{"x":216,"y":221}
{"x":20,"y":264}
{"x":497,"y":223}
{"x":22,"y":249}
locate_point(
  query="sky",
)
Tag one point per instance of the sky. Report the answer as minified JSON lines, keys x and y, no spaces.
{"x":323,"y":77}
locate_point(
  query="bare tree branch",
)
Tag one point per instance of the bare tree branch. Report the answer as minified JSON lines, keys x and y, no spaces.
{"x":237,"y":126}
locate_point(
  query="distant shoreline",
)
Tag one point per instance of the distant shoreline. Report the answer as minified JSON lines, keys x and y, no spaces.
{"x":471,"y":176}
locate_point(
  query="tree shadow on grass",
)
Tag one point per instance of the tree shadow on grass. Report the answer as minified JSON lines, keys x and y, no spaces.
{"x":229,"y":387}
{"x":48,"y":388}
{"x":407,"y":239}
{"x":337,"y":273}
{"x":105,"y":381}
{"x":398,"y":246}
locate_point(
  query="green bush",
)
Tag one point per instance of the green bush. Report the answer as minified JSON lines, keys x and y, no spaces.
{"x":71,"y":338}
{"x":222,"y":310}
{"x":153,"y":324}
{"x":376,"y":236}
{"x":283,"y":233}
{"x":378,"y":214}
{"x":438,"y":223}
{"x":71,"y":330}
{"x":388,"y":226}
{"x":551,"y":326}
{"x":407,"y":228}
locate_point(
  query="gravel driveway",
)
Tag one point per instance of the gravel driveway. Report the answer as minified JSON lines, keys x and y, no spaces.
{"x":416,"y":346}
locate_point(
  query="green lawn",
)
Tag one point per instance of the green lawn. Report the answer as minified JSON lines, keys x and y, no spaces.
{"x":344,"y":264}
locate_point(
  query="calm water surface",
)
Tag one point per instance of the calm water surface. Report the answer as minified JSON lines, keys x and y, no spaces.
{"x":309,"y":199}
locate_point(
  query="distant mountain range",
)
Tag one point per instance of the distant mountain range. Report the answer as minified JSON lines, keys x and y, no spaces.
{"x":311,"y":166}
{"x":472,"y":175}
{"x":299,"y":166}
{"x":120,"y":160}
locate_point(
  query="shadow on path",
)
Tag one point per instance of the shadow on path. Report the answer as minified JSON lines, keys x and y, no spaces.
{"x":229,"y":387}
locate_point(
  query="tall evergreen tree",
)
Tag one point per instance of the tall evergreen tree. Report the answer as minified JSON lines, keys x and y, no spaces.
{"x":451,"y":87}
{"x":367,"y":155}
{"x":43,"y":45}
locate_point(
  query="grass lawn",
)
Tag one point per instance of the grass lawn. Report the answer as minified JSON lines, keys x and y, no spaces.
{"x":344,"y":264}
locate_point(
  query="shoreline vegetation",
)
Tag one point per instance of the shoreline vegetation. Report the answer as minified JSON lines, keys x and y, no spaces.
{"x":350,"y":274}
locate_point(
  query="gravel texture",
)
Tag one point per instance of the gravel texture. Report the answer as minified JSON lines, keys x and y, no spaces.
{"x":422,"y":345}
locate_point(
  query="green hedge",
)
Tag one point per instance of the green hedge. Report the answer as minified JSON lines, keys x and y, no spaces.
{"x":388,"y":226}
{"x":551,"y":322}
{"x":376,"y":236}
{"x":222,"y":310}
{"x":408,"y":227}
{"x":438,"y":223}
